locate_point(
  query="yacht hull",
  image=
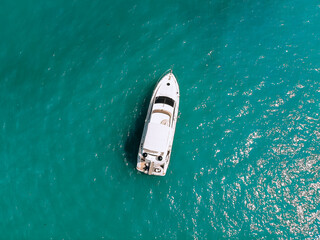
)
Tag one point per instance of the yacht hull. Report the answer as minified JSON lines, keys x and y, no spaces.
{"x":157,"y":138}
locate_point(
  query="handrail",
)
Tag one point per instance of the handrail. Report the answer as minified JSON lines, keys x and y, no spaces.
{"x":165,"y":73}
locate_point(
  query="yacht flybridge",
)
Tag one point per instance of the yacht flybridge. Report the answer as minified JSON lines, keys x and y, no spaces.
{"x":160,"y":124}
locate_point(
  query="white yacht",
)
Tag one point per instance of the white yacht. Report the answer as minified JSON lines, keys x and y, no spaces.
{"x":160,"y":124}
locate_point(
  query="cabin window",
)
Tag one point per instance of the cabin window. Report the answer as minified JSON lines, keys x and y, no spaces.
{"x":165,"y":100}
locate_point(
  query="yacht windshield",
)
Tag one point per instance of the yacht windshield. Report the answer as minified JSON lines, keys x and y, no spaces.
{"x":165,"y":100}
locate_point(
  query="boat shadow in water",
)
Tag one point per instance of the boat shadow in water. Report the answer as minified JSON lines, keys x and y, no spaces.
{"x":131,"y":146}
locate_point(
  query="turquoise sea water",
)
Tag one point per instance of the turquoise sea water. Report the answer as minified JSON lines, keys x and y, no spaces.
{"x":75,"y":81}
